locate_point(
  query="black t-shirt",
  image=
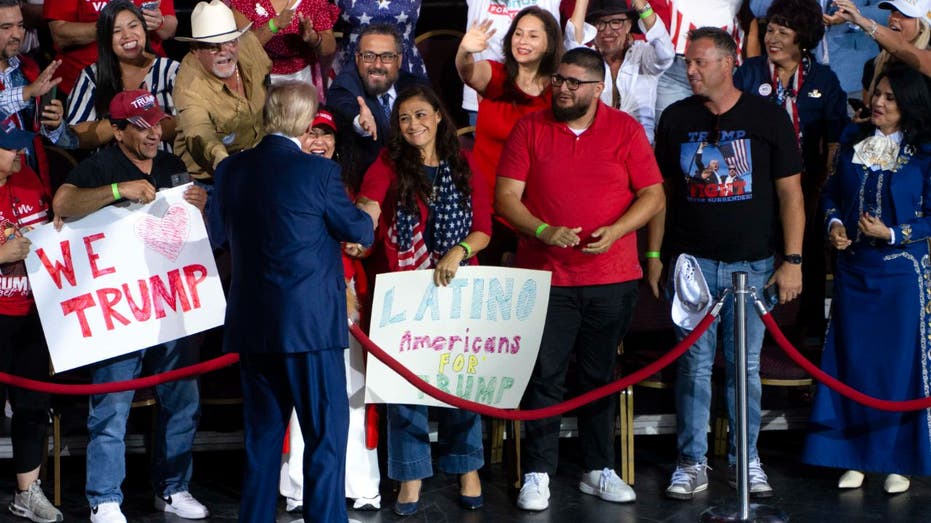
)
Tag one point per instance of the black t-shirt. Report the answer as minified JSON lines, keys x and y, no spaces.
{"x":720,"y":172}
{"x":111,"y":165}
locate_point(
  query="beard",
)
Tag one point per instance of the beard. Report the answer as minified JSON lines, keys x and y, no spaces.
{"x":378,"y":87}
{"x":572,"y":112}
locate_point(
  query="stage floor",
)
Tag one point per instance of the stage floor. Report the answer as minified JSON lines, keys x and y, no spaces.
{"x":805,"y":494}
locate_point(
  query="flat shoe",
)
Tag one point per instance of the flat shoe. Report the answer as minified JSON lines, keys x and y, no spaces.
{"x":850,"y":479}
{"x":896,"y":484}
{"x":471,"y":502}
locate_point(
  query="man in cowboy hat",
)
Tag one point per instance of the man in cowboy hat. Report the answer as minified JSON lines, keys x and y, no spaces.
{"x":220,"y":90}
{"x":632,"y":66}
{"x":133,"y":170}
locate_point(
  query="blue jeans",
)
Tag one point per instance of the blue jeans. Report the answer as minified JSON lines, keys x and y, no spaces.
{"x":459,"y":444}
{"x":693,"y":380}
{"x":178,"y":414}
{"x":672,"y":86}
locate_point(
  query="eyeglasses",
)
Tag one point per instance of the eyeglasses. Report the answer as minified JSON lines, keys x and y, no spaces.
{"x":614,"y":23}
{"x":216,"y":48}
{"x":385,"y":58}
{"x":572,"y":83}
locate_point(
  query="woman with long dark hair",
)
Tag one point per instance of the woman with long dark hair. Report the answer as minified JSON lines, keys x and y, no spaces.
{"x":877,"y":213}
{"x":125,"y":61}
{"x":434,"y":215}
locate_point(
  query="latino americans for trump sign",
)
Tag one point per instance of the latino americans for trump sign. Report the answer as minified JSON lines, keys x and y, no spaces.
{"x":476,"y":338}
{"x":123,"y":279}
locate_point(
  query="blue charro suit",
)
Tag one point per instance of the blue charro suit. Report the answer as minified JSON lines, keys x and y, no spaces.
{"x":284,"y":214}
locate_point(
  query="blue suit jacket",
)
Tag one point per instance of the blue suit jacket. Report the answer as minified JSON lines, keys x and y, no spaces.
{"x":285,"y":213}
{"x":341,"y":98}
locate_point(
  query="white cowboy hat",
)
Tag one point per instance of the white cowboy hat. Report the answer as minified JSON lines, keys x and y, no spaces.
{"x":213,"y":23}
{"x":909,"y":8}
{"x":691,"y":299}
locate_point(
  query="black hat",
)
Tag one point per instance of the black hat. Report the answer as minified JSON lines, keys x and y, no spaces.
{"x":599,"y":8}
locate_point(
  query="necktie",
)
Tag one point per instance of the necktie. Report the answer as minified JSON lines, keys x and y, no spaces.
{"x":386,"y":104}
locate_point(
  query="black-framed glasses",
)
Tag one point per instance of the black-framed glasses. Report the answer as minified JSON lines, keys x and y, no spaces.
{"x":385,"y":58}
{"x":216,"y":48}
{"x":572,"y":83}
{"x":613,"y":23}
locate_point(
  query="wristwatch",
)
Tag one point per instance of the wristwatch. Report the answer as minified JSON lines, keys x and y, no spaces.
{"x":794,"y":259}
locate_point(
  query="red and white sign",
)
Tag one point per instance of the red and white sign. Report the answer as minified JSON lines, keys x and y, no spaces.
{"x":123,"y":279}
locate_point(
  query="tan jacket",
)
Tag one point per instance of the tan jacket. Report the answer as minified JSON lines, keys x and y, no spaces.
{"x":213,"y":122}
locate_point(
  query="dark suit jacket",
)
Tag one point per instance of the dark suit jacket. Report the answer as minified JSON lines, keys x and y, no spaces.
{"x":285,"y":213}
{"x":341,"y":98}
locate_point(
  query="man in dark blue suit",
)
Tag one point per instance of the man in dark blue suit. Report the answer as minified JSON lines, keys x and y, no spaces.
{"x":362,"y":98}
{"x":284,"y":214}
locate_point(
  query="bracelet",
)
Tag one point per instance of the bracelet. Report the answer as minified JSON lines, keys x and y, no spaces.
{"x":651,"y":254}
{"x":318,"y":42}
{"x":115,"y":187}
{"x":466,"y":248}
{"x":542,"y":227}
{"x":646,"y":13}
{"x":272,"y":26}
{"x":873,"y":29}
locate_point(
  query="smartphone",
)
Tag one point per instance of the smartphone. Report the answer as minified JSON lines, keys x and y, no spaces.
{"x":180,"y":179}
{"x":149,"y":6}
{"x":46,"y":99}
{"x":857,"y":105}
{"x":771,"y":295}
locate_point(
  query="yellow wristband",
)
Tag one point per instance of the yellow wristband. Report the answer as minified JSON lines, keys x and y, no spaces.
{"x":542,"y":227}
{"x":646,"y":14}
{"x":115,"y":187}
{"x":651,"y":254}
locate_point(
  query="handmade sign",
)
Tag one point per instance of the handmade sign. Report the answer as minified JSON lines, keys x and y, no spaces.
{"x":124,"y":278}
{"x":477,"y":338}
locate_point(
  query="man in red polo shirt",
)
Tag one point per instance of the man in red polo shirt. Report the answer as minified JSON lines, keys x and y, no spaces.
{"x":577,"y":182}
{"x":73,"y":24}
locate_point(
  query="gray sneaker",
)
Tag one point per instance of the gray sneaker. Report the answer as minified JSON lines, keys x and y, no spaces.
{"x":688,"y":479}
{"x":758,"y":482}
{"x":33,"y":505}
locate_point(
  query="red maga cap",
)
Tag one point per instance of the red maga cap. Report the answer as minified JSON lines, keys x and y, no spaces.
{"x":138,"y":107}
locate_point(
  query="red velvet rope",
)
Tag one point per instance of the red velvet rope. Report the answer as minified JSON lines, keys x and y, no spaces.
{"x":834,"y":383}
{"x":120,"y":386}
{"x":545,"y":412}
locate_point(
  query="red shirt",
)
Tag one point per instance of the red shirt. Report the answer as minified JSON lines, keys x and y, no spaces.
{"x":380,"y":185}
{"x":496,"y":118}
{"x":23,"y":205}
{"x":586,"y":181}
{"x":75,"y":58}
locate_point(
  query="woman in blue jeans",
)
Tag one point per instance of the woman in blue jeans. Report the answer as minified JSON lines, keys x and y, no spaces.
{"x":433,"y":219}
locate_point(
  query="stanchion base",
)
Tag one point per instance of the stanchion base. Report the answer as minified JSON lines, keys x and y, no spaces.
{"x":729,"y":512}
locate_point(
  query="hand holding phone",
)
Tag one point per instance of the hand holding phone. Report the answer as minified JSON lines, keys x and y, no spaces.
{"x":149,"y":6}
{"x":859,"y":108}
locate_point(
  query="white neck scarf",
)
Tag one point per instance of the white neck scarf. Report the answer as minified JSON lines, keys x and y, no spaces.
{"x":878,"y":150}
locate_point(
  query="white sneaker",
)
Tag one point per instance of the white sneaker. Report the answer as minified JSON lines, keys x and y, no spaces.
{"x":107,"y":513}
{"x":33,"y":505}
{"x":367,"y":503}
{"x":607,"y":485}
{"x":535,"y":492}
{"x":183,"y":505}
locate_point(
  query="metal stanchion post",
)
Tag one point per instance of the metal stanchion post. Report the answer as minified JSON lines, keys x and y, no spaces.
{"x":743,"y":510}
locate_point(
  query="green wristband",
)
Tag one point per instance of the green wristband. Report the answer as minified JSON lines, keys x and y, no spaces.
{"x":116,"y":191}
{"x":652,"y":254}
{"x":272,"y":26}
{"x":542,"y":227}
{"x":646,"y":14}
{"x":468,"y":250}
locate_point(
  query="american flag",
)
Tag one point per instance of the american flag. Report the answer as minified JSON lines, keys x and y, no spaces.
{"x":415,"y":258}
{"x":736,"y":155}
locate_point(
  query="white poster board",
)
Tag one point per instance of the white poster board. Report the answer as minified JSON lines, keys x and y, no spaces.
{"x":477,"y":338}
{"x":124,"y":278}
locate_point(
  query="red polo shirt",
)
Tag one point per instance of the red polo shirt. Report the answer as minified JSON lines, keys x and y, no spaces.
{"x":586,"y":181}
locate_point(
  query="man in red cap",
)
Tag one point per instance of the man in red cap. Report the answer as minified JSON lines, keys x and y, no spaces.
{"x":133,"y":169}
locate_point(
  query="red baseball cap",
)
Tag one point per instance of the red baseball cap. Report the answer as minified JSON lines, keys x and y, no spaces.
{"x":138,"y":107}
{"x":324,"y":118}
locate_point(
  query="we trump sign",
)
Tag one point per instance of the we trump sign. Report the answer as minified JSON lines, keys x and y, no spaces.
{"x":124,"y":278}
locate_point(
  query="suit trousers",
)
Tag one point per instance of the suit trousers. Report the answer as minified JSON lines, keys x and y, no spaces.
{"x":314,"y":384}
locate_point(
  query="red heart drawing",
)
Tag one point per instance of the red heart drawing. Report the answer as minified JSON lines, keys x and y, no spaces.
{"x":165,"y":235}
